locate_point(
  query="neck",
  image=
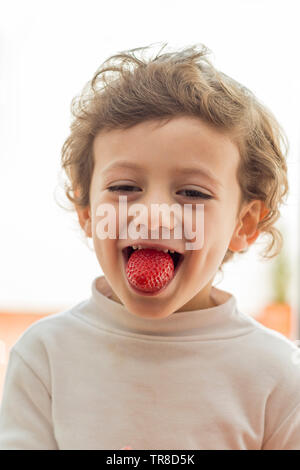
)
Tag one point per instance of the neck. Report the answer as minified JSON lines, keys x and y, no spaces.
{"x":201,"y":300}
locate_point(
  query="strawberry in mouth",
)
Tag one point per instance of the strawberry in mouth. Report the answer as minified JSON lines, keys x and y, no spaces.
{"x":150,"y":270}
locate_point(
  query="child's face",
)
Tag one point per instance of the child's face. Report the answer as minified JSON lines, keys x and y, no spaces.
{"x":161,"y":152}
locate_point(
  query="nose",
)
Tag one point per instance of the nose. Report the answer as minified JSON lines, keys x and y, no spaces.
{"x":158,"y":213}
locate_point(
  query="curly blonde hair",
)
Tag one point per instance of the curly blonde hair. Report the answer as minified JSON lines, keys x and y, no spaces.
{"x":128,"y":89}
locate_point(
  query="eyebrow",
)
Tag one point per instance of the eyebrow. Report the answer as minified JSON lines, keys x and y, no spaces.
{"x":200,"y":171}
{"x":179,"y":170}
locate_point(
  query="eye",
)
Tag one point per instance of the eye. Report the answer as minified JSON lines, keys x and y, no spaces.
{"x":118,"y":188}
{"x":193,"y":194}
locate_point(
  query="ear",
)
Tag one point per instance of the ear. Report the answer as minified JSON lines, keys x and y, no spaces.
{"x":246,"y":231}
{"x":84,"y":218}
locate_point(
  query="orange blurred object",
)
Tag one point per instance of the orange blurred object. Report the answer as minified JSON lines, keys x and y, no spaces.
{"x":12,"y":326}
{"x":277,"y":316}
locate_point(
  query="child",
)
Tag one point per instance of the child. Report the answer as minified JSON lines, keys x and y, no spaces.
{"x":157,"y":357}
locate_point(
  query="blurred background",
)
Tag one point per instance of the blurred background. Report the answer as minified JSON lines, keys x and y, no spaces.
{"x":48,"y":51}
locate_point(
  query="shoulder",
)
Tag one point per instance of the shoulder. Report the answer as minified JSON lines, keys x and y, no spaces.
{"x":35,"y":344}
{"x":273,"y":351}
{"x":270,"y":339}
{"x":278,"y":370}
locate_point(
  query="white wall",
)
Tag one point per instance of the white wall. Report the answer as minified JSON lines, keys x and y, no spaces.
{"x":48,"y":51}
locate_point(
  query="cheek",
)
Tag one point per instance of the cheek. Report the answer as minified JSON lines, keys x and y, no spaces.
{"x":105,"y":231}
{"x":104,"y":220}
{"x":217,"y":230}
{"x":193,"y":226}
{"x":218,"y":219}
{"x":219,"y":226}
{"x":213,"y":225}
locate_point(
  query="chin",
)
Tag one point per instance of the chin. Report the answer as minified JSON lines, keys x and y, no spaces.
{"x":150,"y":312}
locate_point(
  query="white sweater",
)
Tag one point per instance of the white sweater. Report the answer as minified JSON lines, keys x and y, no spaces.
{"x":99,"y":377}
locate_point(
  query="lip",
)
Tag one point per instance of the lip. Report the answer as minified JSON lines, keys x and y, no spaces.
{"x":159,"y":246}
{"x":150,"y":294}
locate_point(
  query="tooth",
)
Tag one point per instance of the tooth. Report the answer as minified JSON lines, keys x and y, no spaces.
{"x":140,"y":247}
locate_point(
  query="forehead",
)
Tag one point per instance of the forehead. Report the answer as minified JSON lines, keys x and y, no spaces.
{"x":182,"y":140}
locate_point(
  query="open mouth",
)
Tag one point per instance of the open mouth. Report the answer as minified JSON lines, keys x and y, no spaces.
{"x":176,"y":257}
{"x":177,"y":260}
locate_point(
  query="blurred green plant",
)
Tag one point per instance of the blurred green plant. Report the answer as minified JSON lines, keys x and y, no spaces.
{"x":281,"y":275}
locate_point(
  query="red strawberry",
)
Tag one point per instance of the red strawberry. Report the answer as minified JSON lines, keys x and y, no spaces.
{"x":149,"y":270}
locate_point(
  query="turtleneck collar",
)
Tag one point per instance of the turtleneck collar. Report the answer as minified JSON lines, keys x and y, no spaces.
{"x":219,"y":322}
